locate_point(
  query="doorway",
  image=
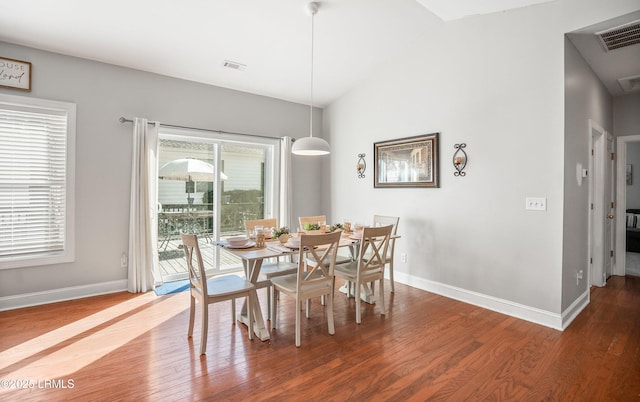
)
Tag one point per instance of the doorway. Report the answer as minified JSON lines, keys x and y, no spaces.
{"x":229,"y":181}
{"x":601,"y":194}
{"x":627,"y":254}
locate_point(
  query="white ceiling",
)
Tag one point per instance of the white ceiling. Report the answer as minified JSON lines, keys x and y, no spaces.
{"x":449,"y":10}
{"x":190,"y":39}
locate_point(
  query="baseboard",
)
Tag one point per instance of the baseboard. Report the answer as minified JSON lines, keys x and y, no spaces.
{"x":58,"y":295}
{"x":575,"y":309}
{"x":537,"y":316}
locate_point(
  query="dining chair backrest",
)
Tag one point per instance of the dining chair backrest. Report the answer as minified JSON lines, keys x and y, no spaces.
{"x":373,"y":250}
{"x":250,"y":224}
{"x":382,"y":220}
{"x":314,"y":248}
{"x":302,"y":220}
{"x":197,"y":275}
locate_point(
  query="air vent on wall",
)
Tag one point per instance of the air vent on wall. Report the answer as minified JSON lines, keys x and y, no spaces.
{"x":629,"y":84}
{"x":624,"y":35}
{"x":234,"y":66}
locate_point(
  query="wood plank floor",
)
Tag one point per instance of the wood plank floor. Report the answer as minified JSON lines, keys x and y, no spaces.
{"x":427,"y":347}
{"x":173,"y":264}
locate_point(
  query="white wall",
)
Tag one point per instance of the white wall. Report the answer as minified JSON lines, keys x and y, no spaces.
{"x":103,"y":93}
{"x":586,"y":98}
{"x":495,"y":82}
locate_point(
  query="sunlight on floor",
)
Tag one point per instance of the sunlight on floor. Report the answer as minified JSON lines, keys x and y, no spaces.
{"x":76,"y":354}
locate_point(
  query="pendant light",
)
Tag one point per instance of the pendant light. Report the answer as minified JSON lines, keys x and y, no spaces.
{"x":311,"y":145}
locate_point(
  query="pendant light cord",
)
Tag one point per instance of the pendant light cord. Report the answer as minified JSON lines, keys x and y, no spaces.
{"x":313,"y":14}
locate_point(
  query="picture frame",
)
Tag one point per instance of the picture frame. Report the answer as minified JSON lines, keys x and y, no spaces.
{"x":407,"y":162}
{"x":15,"y":74}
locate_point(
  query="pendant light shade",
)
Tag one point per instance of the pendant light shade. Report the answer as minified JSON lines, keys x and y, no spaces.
{"x":311,"y":145}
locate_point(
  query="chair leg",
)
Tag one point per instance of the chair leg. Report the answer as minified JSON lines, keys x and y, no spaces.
{"x":251,"y":296}
{"x":393,"y":287}
{"x":269,"y":297}
{"x":233,"y":311}
{"x":205,"y":327}
{"x":192,"y":313}
{"x":382,"y":306}
{"x":298,"y":318}
{"x":274,"y":306}
{"x":357,"y":295}
{"x":308,"y":308}
{"x":332,"y":329}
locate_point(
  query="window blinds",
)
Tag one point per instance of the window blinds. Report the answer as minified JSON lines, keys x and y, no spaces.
{"x":33,"y":156}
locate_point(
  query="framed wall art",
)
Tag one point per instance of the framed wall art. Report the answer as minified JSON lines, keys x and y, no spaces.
{"x":15,"y":74}
{"x":406,"y":162}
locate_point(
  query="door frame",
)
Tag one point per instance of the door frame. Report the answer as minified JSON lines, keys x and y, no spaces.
{"x":597,"y":167}
{"x":621,"y":204}
{"x":270,"y":180}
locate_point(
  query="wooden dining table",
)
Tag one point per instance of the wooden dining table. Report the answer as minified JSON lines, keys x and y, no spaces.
{"x":252,"y":258}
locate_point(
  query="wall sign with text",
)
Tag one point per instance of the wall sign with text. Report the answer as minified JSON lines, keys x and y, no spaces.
{"x":15,"y":74}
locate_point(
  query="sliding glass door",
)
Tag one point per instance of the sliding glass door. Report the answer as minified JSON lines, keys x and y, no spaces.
{"x":210,"y":186}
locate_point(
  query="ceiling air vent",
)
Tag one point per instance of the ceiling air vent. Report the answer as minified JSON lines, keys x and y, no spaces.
{"x":234,"y":66}
{"x":624,"y":35}
{"x":629,"y":84}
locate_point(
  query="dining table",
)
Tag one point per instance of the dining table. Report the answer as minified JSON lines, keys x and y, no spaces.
{"x":252,"y":258}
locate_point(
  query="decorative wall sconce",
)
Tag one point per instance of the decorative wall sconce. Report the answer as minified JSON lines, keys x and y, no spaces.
{"x":361,"y":166}
{"x":459,"y":159}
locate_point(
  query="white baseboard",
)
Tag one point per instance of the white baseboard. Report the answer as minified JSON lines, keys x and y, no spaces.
{"x":57,"y":295}
{"x":537,"y":316}
{"x":575,"y":308}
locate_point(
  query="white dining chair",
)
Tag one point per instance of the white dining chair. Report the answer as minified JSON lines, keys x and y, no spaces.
{"x":369,"y":266}
{"x":311,"y":279}
{"x":212,"y":290}
{"x":382,"y":220}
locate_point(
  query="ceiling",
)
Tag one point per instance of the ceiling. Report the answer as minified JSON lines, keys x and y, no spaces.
{"x":192,"y":39}
{"x":609,"y":66}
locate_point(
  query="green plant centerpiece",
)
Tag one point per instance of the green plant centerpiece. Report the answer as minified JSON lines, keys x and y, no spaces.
{"x":337,"y":226}
{"x":281,"y":234}
{"x":311,"y":226}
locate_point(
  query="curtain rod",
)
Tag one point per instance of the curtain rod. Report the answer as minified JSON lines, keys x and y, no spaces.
{"x":125,"y":120}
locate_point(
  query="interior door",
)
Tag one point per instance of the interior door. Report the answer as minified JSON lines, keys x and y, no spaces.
{"x":599,"y":246}
{"x":609,"y":187}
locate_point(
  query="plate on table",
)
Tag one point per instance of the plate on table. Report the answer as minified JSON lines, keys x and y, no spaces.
{"x":292,"y":245}
{"x":356,"y":236}
{"x":246,"y":245}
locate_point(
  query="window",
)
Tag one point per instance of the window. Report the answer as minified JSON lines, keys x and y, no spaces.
{"x":37,"y":148}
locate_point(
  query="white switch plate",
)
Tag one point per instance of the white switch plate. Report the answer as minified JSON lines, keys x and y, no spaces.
{"x":536,"y":203}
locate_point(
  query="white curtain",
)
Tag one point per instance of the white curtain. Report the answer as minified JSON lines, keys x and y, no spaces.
{"x":144,"y":273}
{"x":286,"y":198}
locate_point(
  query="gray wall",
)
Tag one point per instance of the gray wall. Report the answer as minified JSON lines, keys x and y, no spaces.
{"x":626,"y":112}
{"x":495,"y":82}
{"x":105,"y":92}
{"x":586,"y":98}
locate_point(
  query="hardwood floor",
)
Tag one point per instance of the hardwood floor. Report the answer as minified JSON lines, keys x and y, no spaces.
{"x":427,"y":347}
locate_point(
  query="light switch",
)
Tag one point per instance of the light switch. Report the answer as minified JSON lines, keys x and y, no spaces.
{"x":536,"y":203}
